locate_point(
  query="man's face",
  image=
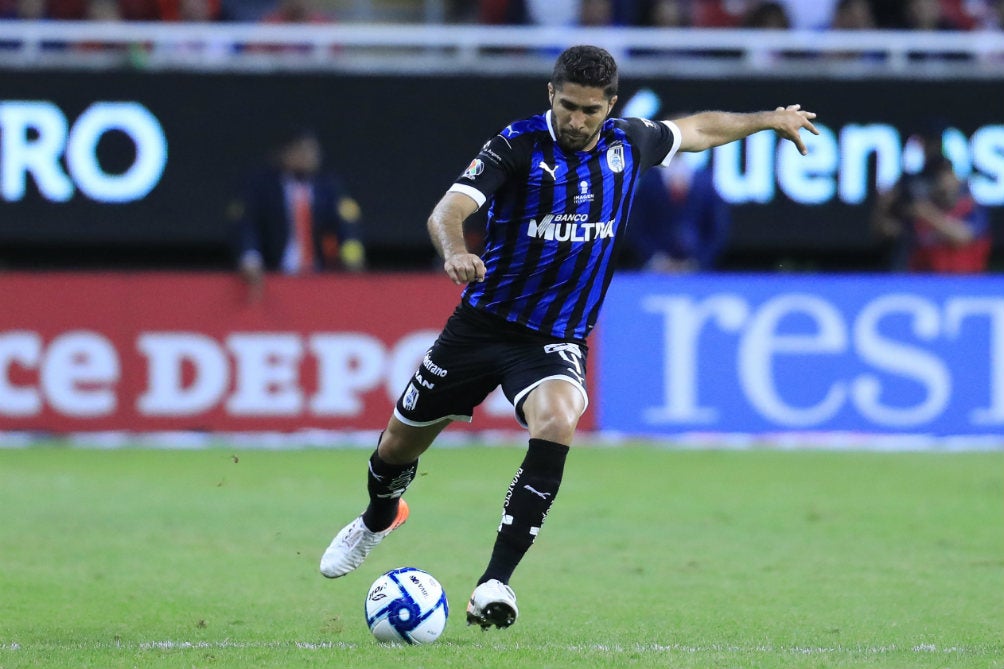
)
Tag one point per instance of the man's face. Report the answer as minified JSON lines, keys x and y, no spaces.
{"x":946,"y":188}
{"x":302,"y":157}
{"x":578,"y":112}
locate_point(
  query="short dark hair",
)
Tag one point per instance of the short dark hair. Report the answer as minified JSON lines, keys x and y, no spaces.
{"x":587,"y":66}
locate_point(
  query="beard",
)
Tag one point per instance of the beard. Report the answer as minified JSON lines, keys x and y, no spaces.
{"x":574,"y":141}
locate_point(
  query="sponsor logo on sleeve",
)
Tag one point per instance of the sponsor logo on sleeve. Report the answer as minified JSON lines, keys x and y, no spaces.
{"x":474,"y":169}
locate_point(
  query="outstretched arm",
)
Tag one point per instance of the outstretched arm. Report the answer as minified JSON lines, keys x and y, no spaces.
{"x":710,"y":129}
{"x":446,"y":228}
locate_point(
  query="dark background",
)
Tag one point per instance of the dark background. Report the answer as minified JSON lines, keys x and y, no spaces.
{"x":398,"y":142}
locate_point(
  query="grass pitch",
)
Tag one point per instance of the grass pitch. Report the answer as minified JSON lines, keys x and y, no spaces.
{"x":650,"y":558}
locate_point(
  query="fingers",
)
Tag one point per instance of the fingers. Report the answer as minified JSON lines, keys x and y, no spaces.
{"x":464,"y":268}
{"x":804,"y":121}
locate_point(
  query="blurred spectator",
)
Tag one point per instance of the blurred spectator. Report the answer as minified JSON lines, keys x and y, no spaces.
{"x":103,"y":10}
{"x":809,"y":14}
{"x":294,"y":217}
{"x":720,"y":13}
{"x":992,"y":16}
{"x":295,"y":11}
{"x":852,"y":15}
{"x":496,"y":12}
{"x":26,"y":10}
{"x":250,"y":11}
{"x":30,"y":10}
{"x":63,"y":10}
{"x":668,"y":14}
{"x":553,"y":12}
{"x":139,"y":10}
{"x":291,"y":12}
{"x":679,"y":222}
{"x":913,"y":15}
{"x":929,"y":221}
{"x":596,"y":13}
{"x":107,"y":11}
{"x":891,"y":214}
{"x":963,"y":13}
{"x":201,"y":50}
{"x":926,"y":15}
{"x":952,"y":232}
{"x":767,"y":15}
{"x":195,"y":11}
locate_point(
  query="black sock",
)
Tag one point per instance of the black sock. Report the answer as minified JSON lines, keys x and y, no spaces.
{"x":385,"y":483}
{"x":528,"y":500}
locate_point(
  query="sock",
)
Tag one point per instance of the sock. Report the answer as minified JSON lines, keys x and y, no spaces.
{"x":527,"y":502}
{"x":385,"y":483}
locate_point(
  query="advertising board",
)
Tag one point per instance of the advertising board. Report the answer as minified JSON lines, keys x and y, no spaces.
{"x":758,"y":353}
{"x":190,"y":352}
{"x":148,"y":160}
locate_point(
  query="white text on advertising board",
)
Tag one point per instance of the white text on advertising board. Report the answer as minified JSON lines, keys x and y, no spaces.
{"x":876,"y":358}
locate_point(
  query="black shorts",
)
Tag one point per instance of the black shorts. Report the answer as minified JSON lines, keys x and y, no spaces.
{"x":475,"y":353}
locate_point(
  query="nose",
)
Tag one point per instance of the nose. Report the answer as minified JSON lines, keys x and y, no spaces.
{"x":577,"y":121}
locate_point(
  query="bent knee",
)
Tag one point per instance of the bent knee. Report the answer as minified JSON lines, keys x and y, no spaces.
{"x":554,"y":416}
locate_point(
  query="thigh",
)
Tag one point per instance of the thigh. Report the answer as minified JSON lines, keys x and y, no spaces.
{"x":529,"y":365}
{"x":453,"y":378}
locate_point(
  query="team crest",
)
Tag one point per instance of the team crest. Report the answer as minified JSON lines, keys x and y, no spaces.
{"x":615,"y":158}
{"x":410,"y":399}
{"x":474,"y":169}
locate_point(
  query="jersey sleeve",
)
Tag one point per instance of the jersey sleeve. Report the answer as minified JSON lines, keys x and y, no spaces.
{"x":657,"y":141}
{"x":498,"y":159}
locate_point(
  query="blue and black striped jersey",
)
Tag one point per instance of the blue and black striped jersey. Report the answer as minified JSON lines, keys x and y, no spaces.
{"x":555,"y":219}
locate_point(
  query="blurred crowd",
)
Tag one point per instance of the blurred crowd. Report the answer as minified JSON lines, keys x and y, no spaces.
{"x":281,"y":11}
{"x":769,"y":14}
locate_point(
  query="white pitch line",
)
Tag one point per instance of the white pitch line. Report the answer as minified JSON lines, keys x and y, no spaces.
{"x":612,"y":649}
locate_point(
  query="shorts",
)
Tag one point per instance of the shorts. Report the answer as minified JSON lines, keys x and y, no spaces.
{"x":475,"y":353}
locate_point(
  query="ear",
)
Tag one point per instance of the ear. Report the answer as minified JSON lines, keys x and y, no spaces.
{"x":610,"y":109}
{"x":550,"y":93}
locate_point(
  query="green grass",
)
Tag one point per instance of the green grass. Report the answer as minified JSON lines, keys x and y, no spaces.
{"x":650,"y":558}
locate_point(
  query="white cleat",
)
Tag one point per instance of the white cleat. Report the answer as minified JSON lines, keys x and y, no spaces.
{"x":351,"y":546}
{"x":492,"y":603}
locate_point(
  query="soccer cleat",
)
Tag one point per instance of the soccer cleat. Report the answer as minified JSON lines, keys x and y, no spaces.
{"x":492,"y":603}
{"x":351,"y":546}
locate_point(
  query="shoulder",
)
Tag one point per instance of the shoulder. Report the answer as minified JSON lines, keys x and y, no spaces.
{"x":524,"y":133}
{"x":514,"y":143}
{"x":638,"y":127}
{"x":526,"y":127}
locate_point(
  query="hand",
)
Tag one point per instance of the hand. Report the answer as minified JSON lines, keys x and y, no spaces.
{"x":254,"y":276}
{"x":464,"y":268}
{"x":790,"y":120}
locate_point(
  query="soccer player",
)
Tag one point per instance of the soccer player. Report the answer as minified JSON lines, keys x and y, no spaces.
{"x":559,"y":187}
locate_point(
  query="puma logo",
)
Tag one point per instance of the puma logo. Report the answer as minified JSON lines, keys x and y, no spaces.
{"x":549,"y":170}
{"x":542,"y":495}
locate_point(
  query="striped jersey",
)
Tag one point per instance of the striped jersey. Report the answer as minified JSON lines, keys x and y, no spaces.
{"x":555,"y":220}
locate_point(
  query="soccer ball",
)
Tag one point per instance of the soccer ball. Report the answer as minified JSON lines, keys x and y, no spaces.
{"x":406,"y":605}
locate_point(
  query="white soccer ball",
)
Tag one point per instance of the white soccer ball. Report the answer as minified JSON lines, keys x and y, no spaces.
{"x":406,"y":605}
